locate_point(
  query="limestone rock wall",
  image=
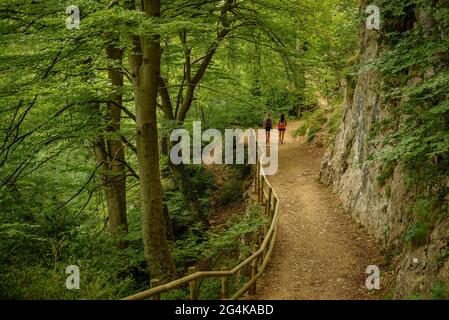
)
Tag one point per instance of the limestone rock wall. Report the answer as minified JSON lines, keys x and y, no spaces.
{"x":382,"y":210}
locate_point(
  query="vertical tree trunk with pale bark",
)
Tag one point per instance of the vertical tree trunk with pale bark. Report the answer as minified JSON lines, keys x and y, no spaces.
{"x":116,"y":177}
{"x":109,"y":152}
{"x":145,"y":68}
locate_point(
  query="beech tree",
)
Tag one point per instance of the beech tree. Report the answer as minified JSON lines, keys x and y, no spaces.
{"x":144,"y":60}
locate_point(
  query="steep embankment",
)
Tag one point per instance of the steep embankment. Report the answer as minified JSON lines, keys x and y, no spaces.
{"x":383,"y":203}
{"x":320,"y":253}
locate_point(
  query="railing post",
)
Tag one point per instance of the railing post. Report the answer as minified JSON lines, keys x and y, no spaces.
{"x":153,"y":284}
{"x":261,"y":257}
{"x":261,"y":183}
{"x":275,"y":202}
{"x":254,"y":265}
{"x":224,"y":285}
{"x":256,"y":178}
{"x":268,"y":208}
{"x":256,"y":174}
{"x":268,"y":203}
{"x":192,"y":285}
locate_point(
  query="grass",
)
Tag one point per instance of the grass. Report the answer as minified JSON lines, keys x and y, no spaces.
{"x":311,"y":124}
{"x":313,"y":121}
{"x":334,"y":121}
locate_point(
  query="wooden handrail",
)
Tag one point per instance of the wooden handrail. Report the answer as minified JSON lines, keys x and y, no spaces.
{"x":265,"y":248}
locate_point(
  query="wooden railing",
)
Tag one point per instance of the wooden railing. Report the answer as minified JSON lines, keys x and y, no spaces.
{"x":257,"y":261}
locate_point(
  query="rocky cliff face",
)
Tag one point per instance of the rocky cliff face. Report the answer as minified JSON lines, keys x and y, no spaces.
{"x":384,"y":209}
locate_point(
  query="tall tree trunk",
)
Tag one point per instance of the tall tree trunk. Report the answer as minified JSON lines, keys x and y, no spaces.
{"x":145,"y":68}
{"x":116,"y":197}
{"x":109,"y":153}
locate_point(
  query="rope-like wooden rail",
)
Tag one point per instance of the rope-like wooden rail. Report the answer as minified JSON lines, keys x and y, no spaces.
{"x":258,"y":260}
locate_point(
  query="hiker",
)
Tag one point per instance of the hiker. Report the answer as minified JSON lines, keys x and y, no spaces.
{"x":267,"y":124}
{"x":282,"y":125}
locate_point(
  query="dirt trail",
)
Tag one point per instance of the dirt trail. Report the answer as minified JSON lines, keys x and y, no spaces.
{"x":320,"y":252}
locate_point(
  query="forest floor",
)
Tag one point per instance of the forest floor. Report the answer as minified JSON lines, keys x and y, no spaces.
{"x":320,"y":252}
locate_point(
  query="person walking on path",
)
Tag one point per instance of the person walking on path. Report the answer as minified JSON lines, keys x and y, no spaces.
{"x":282,"y":125}
{"x":267,"y":124}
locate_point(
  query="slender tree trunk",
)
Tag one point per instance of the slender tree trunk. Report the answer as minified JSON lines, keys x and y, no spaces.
{"x":112,"y":197}
{"x":109,"y":153}
{"x":116,"y":197}
{"x":145,"y":65}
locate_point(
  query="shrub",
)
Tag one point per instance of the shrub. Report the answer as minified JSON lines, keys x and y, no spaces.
{"x":312,"y":123}
{"x":385,"y":174}
{"x":418,"y":233}
{"x":439,"y":290}
{"x":230,"y":192}
{"x":442,"y":258}
{"x":334,"y":121}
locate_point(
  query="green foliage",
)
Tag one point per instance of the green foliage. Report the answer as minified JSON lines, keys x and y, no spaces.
{"x":424,"y":208}
{"x":439,"y":290}
{"x":426,"y":212}
{"x":386,"y":172}
{"x":231,"y":191}
{"x":180,"y":213}
{"x":417,"y":233}
{"x":301,"y":130}
{"x":191,"y":247}
{"x":312,"y":122}
{"x":54,"y":92}
{"x":176,"y":294}
{"x":209,"y":289}
{"x":201,"y":243}
{"x":201,"y":183}
{"x":414,"y":136}
{"x":442,"y":258}
{"x":416,"y":296}
{"x":416,"y":55}
{"x":226,"y":241}
{"x":334,"y":121}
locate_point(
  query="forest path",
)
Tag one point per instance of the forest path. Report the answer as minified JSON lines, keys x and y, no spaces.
{"x":320,"y":252}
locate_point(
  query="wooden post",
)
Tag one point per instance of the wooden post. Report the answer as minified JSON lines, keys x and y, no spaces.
{"x":256,"y":174}
{"x":275,"y":201}
{"x":192,"y":285}
{"x":256,"y":178}
{"x":261,"y":183}
{"x":224,"y":285}
{"x":262,"y":237}
{"x":270,"y":192}
{"x":153,"y":284}
{"x":254,"y":265}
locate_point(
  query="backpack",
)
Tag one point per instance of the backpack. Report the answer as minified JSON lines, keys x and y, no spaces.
{"x":281,"y":125}
{"x":267,"y":123}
